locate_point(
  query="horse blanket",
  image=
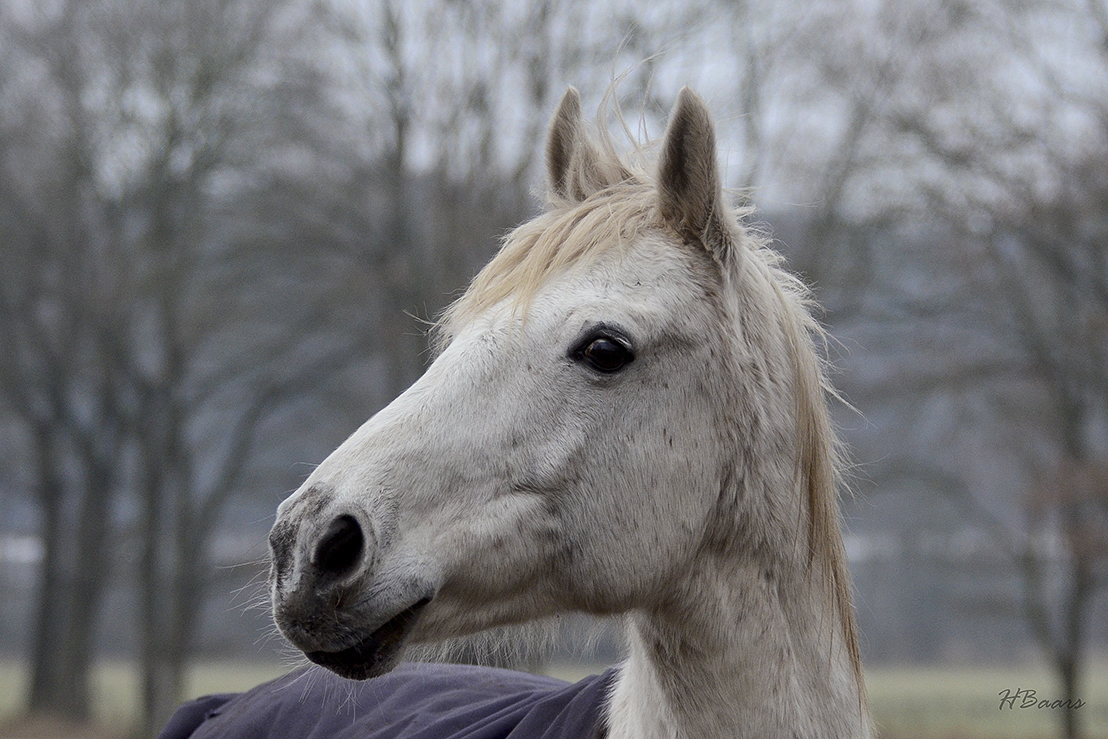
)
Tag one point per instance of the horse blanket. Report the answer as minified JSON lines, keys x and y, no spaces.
{"x":414,"y":701}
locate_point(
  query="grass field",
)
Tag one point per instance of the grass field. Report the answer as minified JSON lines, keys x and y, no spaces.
{"x":908,"y":703}
{"x":962,"y":702}
{"x":115,"y":686}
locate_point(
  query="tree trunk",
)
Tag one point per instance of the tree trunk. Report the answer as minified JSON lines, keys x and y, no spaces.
{"x":175,"y":633}
{"x":46,"y":694}
{"x":165,"y":498}
{"x":67,"y":603}
{"x":188,"y":599}
{"x":1069,"y":659}
{"x":152,"y":607}
{"x":1067,"y":667}
{"x":91,"y":568}
{"x":71,"y":590}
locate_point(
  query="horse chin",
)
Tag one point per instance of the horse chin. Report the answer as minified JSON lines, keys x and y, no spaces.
{"x":378,"y":653}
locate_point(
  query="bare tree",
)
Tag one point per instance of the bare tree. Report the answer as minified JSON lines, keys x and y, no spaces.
{"x":53,"y":380}
{"x":453,"y":97}
{"x":986,"y":150}
{"x":145,"y":340}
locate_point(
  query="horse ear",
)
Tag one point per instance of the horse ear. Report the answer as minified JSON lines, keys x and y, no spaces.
{"x":690,"y":194}
{"x":571,"y":159}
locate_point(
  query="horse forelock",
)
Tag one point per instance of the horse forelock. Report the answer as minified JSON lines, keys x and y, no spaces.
{"x":612,"y":199}
{"x":566,"y":236}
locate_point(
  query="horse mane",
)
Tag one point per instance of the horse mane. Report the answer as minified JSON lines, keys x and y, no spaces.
{"x":613,"y":200}
{"x":821,"y":461}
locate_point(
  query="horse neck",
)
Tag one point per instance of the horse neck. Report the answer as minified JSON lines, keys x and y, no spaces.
{"x":739,"y":654}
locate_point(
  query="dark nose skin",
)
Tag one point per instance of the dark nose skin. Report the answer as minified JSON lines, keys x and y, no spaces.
{"x":340,"y":548}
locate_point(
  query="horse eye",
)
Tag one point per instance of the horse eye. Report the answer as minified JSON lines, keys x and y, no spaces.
{"x":605,"y":354}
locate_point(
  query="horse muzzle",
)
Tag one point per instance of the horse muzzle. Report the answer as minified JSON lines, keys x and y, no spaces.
{"x":330,"y":598}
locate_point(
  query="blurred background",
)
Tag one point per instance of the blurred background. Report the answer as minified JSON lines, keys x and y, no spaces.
{"x":224,"y":223}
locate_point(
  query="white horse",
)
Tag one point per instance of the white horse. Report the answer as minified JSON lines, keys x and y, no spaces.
{"x":627,"y":415}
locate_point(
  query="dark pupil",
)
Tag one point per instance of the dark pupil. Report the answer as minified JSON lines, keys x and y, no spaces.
{"x":606,"y":355}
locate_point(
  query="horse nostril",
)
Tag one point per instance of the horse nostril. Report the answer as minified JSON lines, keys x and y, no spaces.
{"x":341,"y":546}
